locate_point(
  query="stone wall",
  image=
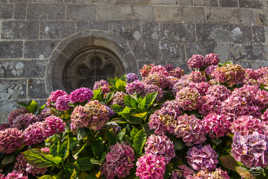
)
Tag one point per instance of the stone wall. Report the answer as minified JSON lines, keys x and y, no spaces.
{"x":150,"y":31}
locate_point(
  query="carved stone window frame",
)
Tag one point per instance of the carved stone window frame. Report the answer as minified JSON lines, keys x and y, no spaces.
{"x":69,"y":47}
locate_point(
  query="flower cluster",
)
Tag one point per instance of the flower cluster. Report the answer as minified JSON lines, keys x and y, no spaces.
{"x":131,"y":77}
{"x":118,"y":98}
{"x":217,"y":174}
{"x":202,"y":158}
{"x":51,"y":100}
{"x":151,"y":166}
{"x":14,"y":175}
{"x":81,"y":95}
{"x":62,"y":103}
{"x":188,"y":98}
{"x":251,"y":150}
{"x":136,"y":87}
{"x":14,"y":114}
{"x":22,"y":121}
{"x":102,"y":85}
{"x":93,"y":115}
{"x":119,"y":161}
{"x":160,"y":145}
{"x":11,"y":139}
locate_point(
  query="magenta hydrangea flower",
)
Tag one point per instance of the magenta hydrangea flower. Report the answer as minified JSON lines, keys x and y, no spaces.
{"x":169,"y":67}
{"x":229,"y":74}
{"x":11,"y":139}
{"x":15,"y":175}
{"x":136,"y":87}
{"x":157,"y":79}
{"x":197,"y":77}
{"x":211,"y":59}
{"x":202,"y":158}
{"x":131,"y":77}
{"x":119,"y":161}
{"x":176,"y":72}
{"x":62,"y":103}
{"x":196,"y":62}
{"x":54,"y":96}
{"x":262,"y":98}
{"x":160,"y":145}
{"x":171,"y":108}
{"x":22,"y":121}
{"x":209,"y":104}
{"x":188,"y":98}
{"x":209,"y":70}
{"x":35,"y":133}
{"x":45,"y":150}
{"x":118,"y":98}
{"x":81,"y":95}
{"x":181,"y":83}
{"x":159,"y":69}
{"x":93,"y":115}
{"x":264,"y":116}
{"x":152,"y":89}
{"x":205,"y":174}
{"x":151,"y":166}
{"x":216,"y":125}
{"x":103,"y":85}
{"x":145,"y":70}
{"x":202,"y":87}
{"x":54,"y":125}
{"x":251,"y":150}
{"x":220,"y":92}
{"x":182,"y":172}
{"x":44,"y":114}
{"x":172,"y":81}
{"x":246,"y":125}
{"x":13,"y":114}
{"x":190,"y":129}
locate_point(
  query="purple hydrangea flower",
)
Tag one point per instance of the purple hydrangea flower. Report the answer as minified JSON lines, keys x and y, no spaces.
{"x":160,"y":145}
{"x":23,"y":121}
{"x":190,"y":129}
{"x":216,"y":125}
{"x":119,"y":161}
{"x":136,"y":87}
{"x":54,"y":96}
{"x":131,"y":77}
{"x":62,"y":103}
{"x":202,"y":158}
{"x":188,"y":98}
{"x":152,"y":89}
{"x":81,"y":95}
{"x":54,"y":125}
{"x":151,"y":166}
{"x":251,"y":150}
{"x":196,"y":62}
{"x":44,"y":114}
{"x":209,"y":70}
{"x":11,"y":139}
{"x":157,"y":79}
{"x":103,"y":85}
{"x":13,"y":114}
{"x":118,"y":98}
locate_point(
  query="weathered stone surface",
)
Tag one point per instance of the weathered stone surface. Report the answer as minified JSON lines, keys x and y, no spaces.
{"x":37,"y":88}
{"x":22,"y":69}
{"x":229,"y":3}
{"x":46,"y":11}
{"x":12,"y":89}
{"x":250,"y":3}
{"x":222,"y":15}
{"x":39,"y":48}
{"x":81,"y":12}
{"x":20,"y":30}
{"x":223,"y":33}
{"x":20,"y":11}
{"x":6,"y":11}
{"x":56,"y":30}
{"x":11,"y":49}
{"x":5,"y":108}
{"x":206,"y":2}
{"x":258,"y":34}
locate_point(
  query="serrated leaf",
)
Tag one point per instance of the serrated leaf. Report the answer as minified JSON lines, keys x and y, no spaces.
{"x":37,"y":158}
{"x":139,"y":141}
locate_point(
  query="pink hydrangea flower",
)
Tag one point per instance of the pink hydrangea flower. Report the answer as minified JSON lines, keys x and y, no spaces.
{"x":160,"y":145}
{"x":209,"y":70}
{"x":205,"y":174}
{"x":176,"y":72}
{"x":181,"y":83}
{"x":264,"y":116}
{"x":15,"y":175}
{"x":119,"y":161}
{"x":54,"y":125}
{"x":262,"y":98}
{"x":22,"y":121}
{"x":182,"y":172}
{"x":81,"y":95}
{"x":118,"y":98}
{"x":216,"y":125}
{"x":35,"y":133}
{"x":197,"y":77}
{"x":151,"y":166}
{"x":211,"y":59}
{"x":54,"y":96}
{"x":159,"y":69}
{"x":196,"y":62}
{"x":251,"y":150}
{"x":4,"y":126}
{"x":188,"y":98}
{"x":145,"y":70}
{"x":11,"y":139}
{"x":220,"y":92}
{"x":172,"y":81}
{"x":136,"y":87}
{"x":157,"y":79}
{"x":103,"y":85}
{"x":152,"y":89}
{"x":190,"y":129}
{"x":202,"y":87}
{"x":209,"y":104}
{"x":62,"y":103}
{"x":202,"y":158}
{"x":14,"y":114}
{"x":45,"y":150}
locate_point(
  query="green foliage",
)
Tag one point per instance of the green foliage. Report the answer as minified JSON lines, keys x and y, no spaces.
{"x":139,"y":141}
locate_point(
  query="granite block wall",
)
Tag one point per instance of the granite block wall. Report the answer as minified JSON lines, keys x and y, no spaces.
{"x":151,"y":31}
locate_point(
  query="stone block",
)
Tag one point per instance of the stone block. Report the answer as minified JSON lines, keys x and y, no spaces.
{"x":37,"y":88}
{"x":11,"y":49}
{"x":81,"y":12}
{"x":5,"y":108}
{"x":205,"y":2}
{"x":228,"y":3}
{"x":251,"y":16}
{"x":22,"y":69}
{"x":39,"y":49}
{"x":12,"y":89}
{"x":165,"y":2}
{"x":20,"y":30}
{"x":48,"y":1}
{"x":56,"y":30}
{"x":200,"y":47}
{"x":258,"y":34}
{"x":6,"y":11}
{"x":250,"y":4}
{"x":222,"y":15}
{"x":223,"y":33}
{"x":20,"y":11}
{"x":185,"y":2}
{"x":46,"y":11}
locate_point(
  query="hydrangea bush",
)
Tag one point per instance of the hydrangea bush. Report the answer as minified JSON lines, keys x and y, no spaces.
{"x":209,"y":124}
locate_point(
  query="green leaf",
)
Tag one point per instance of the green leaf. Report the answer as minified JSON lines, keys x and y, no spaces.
{"x":8,"y":159}
{"x":37,"y":158}
{"x":81,"y":150}
{"x":97,"y":94}
{"x":47,"y":177}
{"x":140,"y":115}
{"x":84,"y":164}
{"x":95,"y":162}
{"x":133,"y":132}
{"x":139,"y":141}
{"x":120,"y":85}
{"x":32,"y":107}
{"x":121,"y":134}
{"x":97,"y":148}
{"x":125,"y":113}
{"x":150,"y":99}
{"x":130,"y":101}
